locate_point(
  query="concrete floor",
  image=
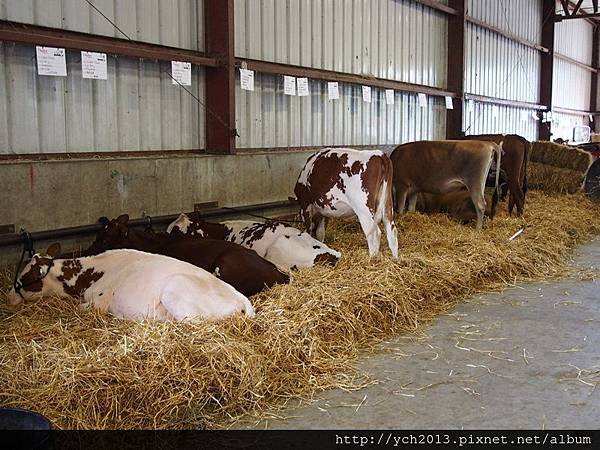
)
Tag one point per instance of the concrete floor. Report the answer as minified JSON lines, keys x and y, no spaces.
{"x":525,"y":358}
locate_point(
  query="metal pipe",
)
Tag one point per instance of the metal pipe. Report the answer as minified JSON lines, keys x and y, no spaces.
{"x":85,"y":230}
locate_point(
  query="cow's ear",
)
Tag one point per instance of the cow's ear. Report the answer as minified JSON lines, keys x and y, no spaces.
{"x":54,"y":250}
{"x":103,"y":221}
{"x":123,"y":219}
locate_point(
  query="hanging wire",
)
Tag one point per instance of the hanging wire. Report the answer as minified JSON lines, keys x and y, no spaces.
{"x":233,"y":131}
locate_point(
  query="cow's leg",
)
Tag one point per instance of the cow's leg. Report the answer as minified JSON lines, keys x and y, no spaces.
{"x":516,"y":195}
{"x":321,"y":226}
{"x":401,"y":194}
{"x":479,"y":202}
{"x":391,"y":233}
{"x":369,"y":227}
{"x":412,"y":201}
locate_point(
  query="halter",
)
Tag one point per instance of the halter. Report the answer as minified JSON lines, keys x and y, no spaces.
{"x":27,"y":247}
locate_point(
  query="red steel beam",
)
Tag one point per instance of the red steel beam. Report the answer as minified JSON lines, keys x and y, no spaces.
{"x":342,"y":77}
{"x":220,"y":81}
{"x":594,"y":81}
{"x":456,"y":68}
{"x":547,"y":65}
{"x":51,"y":37}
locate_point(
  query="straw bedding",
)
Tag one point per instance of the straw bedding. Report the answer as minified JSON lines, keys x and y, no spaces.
{"x":554,"y":179}
{"x":86,"y":370}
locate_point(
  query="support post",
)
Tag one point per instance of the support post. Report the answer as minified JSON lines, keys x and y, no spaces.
{"x":594,"y":87}
{"x":220,"y":81}
{"x":456,"y":68}
{"x":547,"y":66}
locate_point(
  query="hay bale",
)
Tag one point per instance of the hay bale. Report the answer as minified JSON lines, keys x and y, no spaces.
{"x":82,"y":369}
{"x":553,"y":179}
{"x":562,"y":156}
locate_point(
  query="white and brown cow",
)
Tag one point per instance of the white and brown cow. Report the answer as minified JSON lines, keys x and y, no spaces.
{"x":441,"y":167}
{"x":131,"y":285}
{"x":284,"y":246}
{"x":344,"y":183}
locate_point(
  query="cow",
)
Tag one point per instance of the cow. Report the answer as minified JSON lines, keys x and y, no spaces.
{"x":515,"y":158}
{"x":285,"y":246}
{"x":344,"y":183}
{"x":457,"y":205}
{"x":130,"y":284}
{"x":238,"y":266}
{"x":440,"y":167}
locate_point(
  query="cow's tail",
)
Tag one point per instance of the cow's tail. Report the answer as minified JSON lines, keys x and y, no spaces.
{"x":498,"y":151}
{"x":526,"y":155}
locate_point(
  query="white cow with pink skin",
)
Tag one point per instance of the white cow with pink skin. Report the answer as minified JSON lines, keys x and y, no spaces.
{"x":131,"y":285}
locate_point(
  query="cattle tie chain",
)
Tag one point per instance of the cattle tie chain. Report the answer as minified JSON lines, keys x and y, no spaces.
{"x":233,"y":131}
{"x":268,"y":219}
{"x":27,"y":247}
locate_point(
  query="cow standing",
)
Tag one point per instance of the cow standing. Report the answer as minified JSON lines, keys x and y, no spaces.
{"x":515,"y":158}
{"x":440,"y":167}
{"x":130,"y":285}
{"x":344,"y":183}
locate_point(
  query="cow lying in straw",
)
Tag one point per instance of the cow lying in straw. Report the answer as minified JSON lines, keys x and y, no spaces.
{"x":232,"y":263}
{"x":131,"y":285}
{"x":284,"y":246}
{"x":346,"y":183}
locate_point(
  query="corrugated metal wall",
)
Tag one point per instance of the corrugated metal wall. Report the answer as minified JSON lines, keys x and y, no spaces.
{"x":137,"y":108}
{"x":268,"y":118}
{"x":176,"y":23}
{"x":572,"y":83}
{"x":563,"y":124}
{"x":499,"y":67}
{"x":399,"y":40}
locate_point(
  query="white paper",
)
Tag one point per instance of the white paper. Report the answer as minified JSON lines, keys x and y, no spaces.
{"x":591,"y":117}
{"x":449,"y":103}
{"x":389,"y":96}
{"x":422,"y":100}
{"x":494,"y":111}
{"x":302,"y":87}
{"x":333,"y":90}
{"x":534,"y":115}
{"x":289,"y":85}
{"x":366,"y":91}
{"x":93,"y":66}
{"x":181,"y":72}
{"x":470,"y":106}
{"x":51,"y":61}
{"x":524,"y":116}
{"x":247,"y":79}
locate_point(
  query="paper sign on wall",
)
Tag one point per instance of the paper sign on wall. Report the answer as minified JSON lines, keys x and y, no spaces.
{"x":247,"y":79}
{"x":289,"y":85}
{"x":422,"y":100}
{"x":591,"y":117}
{"x":494,"y":111}
{"x":181,"y":73}
{"x":51,"y":61}
{"x":302,"y":86}
{"x":524,"y":116}
{"x":449,"y":104}
{"x":470,"y":106}
{"x":389,"y":96}
{"x":534,"y":115}
{"x":333,"y":90}
{"x":93,"y":66}
{"x":366,"y":94}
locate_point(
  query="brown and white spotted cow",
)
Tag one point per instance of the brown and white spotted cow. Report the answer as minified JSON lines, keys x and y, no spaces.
{"x":131,"y":285}
{"x":440,"y":167}
{"x":344,"y":183}
{"x":284,"y":246}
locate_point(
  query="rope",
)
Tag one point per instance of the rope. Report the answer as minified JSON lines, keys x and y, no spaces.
{"x":268,"y":219}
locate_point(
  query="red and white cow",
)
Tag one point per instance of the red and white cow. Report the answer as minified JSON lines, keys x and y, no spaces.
{"x":343,"y":183}
{"x":131,"y":285}
{"x":284,"y":246}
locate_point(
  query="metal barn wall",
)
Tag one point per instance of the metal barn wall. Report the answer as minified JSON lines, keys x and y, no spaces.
{"x":563,"y":124}
{"x":267,"y":118}
{"x":175,"y":23}
{"x":499,"y":67}
{"x":399,"y":40}
{"x":137,"y":108}
{"x":572,"y":83}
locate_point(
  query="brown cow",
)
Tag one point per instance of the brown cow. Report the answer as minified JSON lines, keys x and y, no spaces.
{"x":238,"y":266}
{"x":457,"y":205}
{"x":515,"y":158}
{"x":344,"y":183}
{"x":440,"y":167}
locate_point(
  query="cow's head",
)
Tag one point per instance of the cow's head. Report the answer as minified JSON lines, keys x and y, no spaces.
{"x":112,"y":235}
{"x":33,"y":281}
